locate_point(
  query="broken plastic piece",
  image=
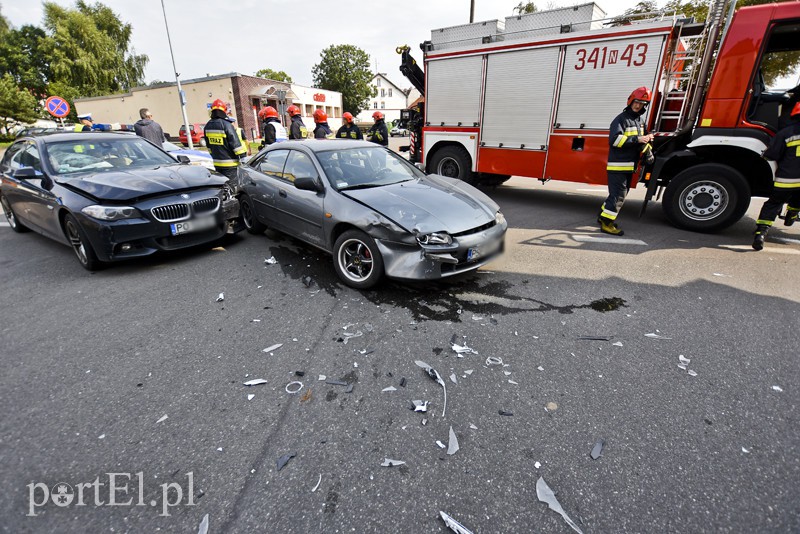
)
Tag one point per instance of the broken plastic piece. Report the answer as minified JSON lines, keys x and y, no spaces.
{"x":322,"y":378}
{"x":349,"y":389}
{"x":473,"y":427}
{"x":452,"y":444}
{"x":271,"y":260}
{"x":507,"y":414}
{"x":682,"y":366}
{"x":366,"y":351}
{"x":300,"y":373}
{"x":594,"y":338}
{"x":493,"y":360}
{"x":468,"y":372}
{"x":293,"y":387}
{"x":684,"y":360}
{"x":656,"y":336}
{"x":403,"y":382}
{"x":424,"y":421}
{"x":537,"y":465}
{"x":390,"y":388}
{"x":347,"y":336}
{"x":420,"y":406}
{"x":453,"y":378}
{"x":597,"y":450}
{"x":454,"y":525}
{"x":256,"y":382}
{"x":250,"y":397}
{"x":512,"y":382}
{"x":463,"y":349}
{"x":507,"y":373}
{"x":163,"y":418}
{"x":692,"y":373}
{"x":273,"y":347}
{"x":283,"y":460}
{"x":546,"y":495}
{"x":318,"y":482}
{"x":203,"y":525}
{"x":388,"y":462}
{"x":540,"y":368}
{"x":437,"y":377}
{"x":440,"y":444}
{"x":221,"y":297}
{"x":617,"y":344}
{"x":778,"y":389}
{"x":746,"y":451}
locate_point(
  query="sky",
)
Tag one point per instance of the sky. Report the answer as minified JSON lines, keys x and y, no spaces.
{"x":210,"y":38}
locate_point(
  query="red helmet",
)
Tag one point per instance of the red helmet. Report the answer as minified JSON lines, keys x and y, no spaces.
{"x":347,"y":116}
{"x":268,"y":112}
{"x":220,"y":105}
{"x":640,"y":93}
{"x":320,"y":116}
{"x":293,"y":110}
{"x":377,"y":115}
{"x":795,"y":110}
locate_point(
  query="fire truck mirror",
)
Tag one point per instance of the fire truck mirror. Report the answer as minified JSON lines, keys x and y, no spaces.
{"x":577,"y":143}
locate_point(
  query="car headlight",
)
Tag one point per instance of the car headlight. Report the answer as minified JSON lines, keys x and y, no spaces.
{"x":499,"y":218}
{"x":110,"y":213}
{"x":435,"y":238}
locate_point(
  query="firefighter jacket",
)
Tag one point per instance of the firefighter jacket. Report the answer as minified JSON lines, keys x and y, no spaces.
{"x":298,"y":129}
{"x":349,"y":131}
{"x":378,"y":133}
{"x":785,"y":149}
{"x":273,"y":131}
{"x":623,"y":139}
{"x":323,"y":131}
{"x":223,"y":143}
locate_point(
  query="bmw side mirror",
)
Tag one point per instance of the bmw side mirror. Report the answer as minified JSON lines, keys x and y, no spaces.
{"x":183,"y":159}
{"x":25,"y":173}
{"x":307,"y":183}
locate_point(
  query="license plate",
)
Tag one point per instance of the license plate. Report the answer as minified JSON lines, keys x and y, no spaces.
{"x":195,"y":225}
{"x":487,"y":249}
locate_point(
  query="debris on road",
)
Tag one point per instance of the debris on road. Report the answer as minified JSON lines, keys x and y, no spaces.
{"x":221,"y":297}
{"x":437,"y":377}
{"x":203,"y":525}
{"x":507,"y":414}
{"x":537,"y":465}
{"x":594,"y":338}
{"x":256,"y":382}
{"x":453,"y":378}
{"x":347,"y":336}
{"x":283,"y":460}
{"x":551,"y":407}
{"x":420,"y":406}
{"x":388,"y":462}
{"x":512,"y":382}
{"x":684,"y":360}
{"x":473,"y":427}
{"x":336,"y":383}
{"x":322,"y":378}
{"x":540,"y":368}
{"x":546,"y":495}
{"x":493,"y":360}
{"x":452,"y":444}
{"x":440,"y":444}
{"x":746,"y":451}
{"x":163,"y":418}
{"x":271,"y":260}
{"x":460,"y":350}
{"x":390,"y":388}
{"x":691,"y":373}
{"x":656,"y":336}
{"x":250,"y":396}
{"x":617,"y":344}
{"x":597,"y":450}
{"x":293,"y":387}
{"x":318,"y":482}
{"x":454,"y":525}
{"x":306,"y":396}
{"x":273,"y":347}
{"x":778,"y":389}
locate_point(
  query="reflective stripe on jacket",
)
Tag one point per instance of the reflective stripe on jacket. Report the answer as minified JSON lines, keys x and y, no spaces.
{"x":349,"y":131}
{"x":785,"y":150}
{"x":623,"y":140}
{"x":224,"y":143}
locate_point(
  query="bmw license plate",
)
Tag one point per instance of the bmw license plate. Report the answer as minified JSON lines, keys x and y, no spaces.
{"x":195,"y":225}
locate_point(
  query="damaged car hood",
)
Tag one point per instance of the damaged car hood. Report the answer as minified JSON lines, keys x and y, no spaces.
{"x":135,"y":183}
{"x":430,"y":204}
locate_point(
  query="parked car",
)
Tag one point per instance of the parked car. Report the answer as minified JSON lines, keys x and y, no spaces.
{"x":197,"y":131}
{"x":111,"y":196}
{"x":398,"y":132}
{"x":196,"y":157}
{"x":377,"y":214}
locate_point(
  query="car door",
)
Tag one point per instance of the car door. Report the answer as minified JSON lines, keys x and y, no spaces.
{"x":40,"y":202}
{"x":24,"y":195}
{"x":9,"y":187}
{"x":301,"y":212}
{"x":261,"y":185}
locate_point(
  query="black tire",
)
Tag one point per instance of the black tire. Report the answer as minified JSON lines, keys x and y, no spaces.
{"x":493,"y":180}
{"x":357,"y":260}
{"x":11,"y":217}
{"x":453,"y":162}
{"x":80,"y":245}
{"x":706,"y":198}
{"x":247,"y":211}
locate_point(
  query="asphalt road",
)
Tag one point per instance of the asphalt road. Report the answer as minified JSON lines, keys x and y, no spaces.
{"x":93,"y":362}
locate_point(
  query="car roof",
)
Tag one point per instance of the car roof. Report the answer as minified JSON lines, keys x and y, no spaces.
{"x":74,"y":136}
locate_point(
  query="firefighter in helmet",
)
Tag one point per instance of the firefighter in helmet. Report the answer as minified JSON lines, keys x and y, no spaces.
{"x":223,"y":141}
{"x":272,"y":131}
{"x":349,"y":130}
{"x":785,"y":150}
{"x":378,"y":132}
{"x":297,"y":130}
{"x":322,"y":130}
{"x":627,"y":142}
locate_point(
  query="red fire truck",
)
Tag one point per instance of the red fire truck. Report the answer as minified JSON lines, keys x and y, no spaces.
{"x":534,"y":96}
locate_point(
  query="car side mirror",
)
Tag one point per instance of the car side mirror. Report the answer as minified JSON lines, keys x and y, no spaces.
{"x":307,"y":183}
{"x":184,"y":160}
{"x":25,"y":173}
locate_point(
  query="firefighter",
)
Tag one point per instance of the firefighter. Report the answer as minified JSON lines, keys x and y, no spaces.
{"x":378,"y":133}
{"x":223,"y":141}
{"x":785,"y":150}
{"x":272,"y":130}
{"x":322,"y":130}
{"x":627,"y":142}
{"x":349,"y":130}
{"x":298,"y":129}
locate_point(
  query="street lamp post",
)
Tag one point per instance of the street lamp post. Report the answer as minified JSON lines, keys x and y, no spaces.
{"x":181,"y":95}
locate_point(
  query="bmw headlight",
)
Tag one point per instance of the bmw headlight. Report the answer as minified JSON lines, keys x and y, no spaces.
{"x":110,"y":213}
{"x":435,"y":238}
{"x":499,"y":218}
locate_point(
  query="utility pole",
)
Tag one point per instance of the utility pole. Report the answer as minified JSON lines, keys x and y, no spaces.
{"x":181,"y":95}
{"x":471,"y":11}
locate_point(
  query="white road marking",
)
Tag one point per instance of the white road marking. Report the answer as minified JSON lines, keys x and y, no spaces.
{"x":614,"y":240}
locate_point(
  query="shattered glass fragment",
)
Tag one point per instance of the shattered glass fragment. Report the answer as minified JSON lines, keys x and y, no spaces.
{"x":322,"y":378}
{"x":250,"y":397}
{"x":283,"y":460}
{"x":778,"y":389}
{"x":203,"y":525}
{"x":366,"y":351}
{"x":507,"y":414}
{"x":468,"y":372}
{"x":420,"y":406}
{"x":453,"y":378}
{"x":452,"y":444}
{"x":463,"y":349}
{"x":656,"y":336}
{"x":512,"y":382}
{"x":597,"y":450}
{"x":454,"y":525}
{"x":271,"y":260}
{"x":540,"y":368}
{"x":221,"y":297}
{"x":318,"y":483}
{"x":424,"y":421}
{"x":692,"y":373}
{"x":273,"y":347}
{"x":437,"y":377}
{"x":746,"y":451}
{"x":163,"y":418}
{"x":546,"y":495}
{"x":617,"y":344}
{"x":473,"y":427}
{"x":441,"y":445}
{"x":390,"y":388}
{"x":388,"y":462}
{"x":537,"y":465}
{"x":684,"y":361}
{"x":682,"y":366}
{"x":256,"y":382}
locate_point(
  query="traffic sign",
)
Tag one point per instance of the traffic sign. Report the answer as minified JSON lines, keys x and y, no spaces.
{"x":57,"y":107}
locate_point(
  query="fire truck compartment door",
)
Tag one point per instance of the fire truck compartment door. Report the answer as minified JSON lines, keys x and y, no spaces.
{"x":454,"y":91}
{"x":519,"y":98}
{"x":599,"y":76}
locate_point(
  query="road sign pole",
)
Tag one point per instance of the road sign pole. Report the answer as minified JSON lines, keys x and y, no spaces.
{"x":178,"y":80}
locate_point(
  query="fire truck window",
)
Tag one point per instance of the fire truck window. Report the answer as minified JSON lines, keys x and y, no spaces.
{"x":776,"y":86}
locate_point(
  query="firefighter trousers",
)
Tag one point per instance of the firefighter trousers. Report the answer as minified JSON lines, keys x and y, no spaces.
{"x":618,"y":185}
{"x":772,"y":207}
{"x":230,"y":173}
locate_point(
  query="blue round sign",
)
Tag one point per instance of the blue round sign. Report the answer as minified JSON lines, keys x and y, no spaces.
{"x":57,"y":106}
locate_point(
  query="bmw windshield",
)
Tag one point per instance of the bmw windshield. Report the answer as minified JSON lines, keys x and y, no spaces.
{"x":93,"y":155}
{"x":365,"y":167}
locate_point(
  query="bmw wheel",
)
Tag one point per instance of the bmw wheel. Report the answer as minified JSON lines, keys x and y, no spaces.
{"x":357,"y":260}
{"x":80,"y":245}
{"x":13,"y":222}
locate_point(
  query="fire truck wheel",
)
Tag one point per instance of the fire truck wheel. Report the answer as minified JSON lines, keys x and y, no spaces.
{"x":453,"y":162}
{"x":706,"y":198}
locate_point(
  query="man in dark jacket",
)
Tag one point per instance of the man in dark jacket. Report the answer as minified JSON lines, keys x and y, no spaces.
{"x":297,"y":130}
{"x":627,"y":140}
{"x":148,"y":128}
{"x":223,"y":141}
{"x":322,"y":130}
{"x":348,"y":129}
{"x":272,"y":131}
{"x":785,"y":150}
{"x":378,"y":133}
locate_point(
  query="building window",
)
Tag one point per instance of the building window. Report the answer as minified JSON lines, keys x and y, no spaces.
{"x":375,"y":105}
{"x":329,"y":111}
{"x":383,"y":105}
{"x":336,"y":112}
{"x":383,"y":93}
{"x":309,"y":110}
{"x":378,"y":82}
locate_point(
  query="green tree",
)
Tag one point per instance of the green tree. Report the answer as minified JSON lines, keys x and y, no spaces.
{"x":525,"y":7}
{"x":345,"y":68}
{"x":277,"y":75}
{"x":4,"y":24}
{"x":22,"y":56}
{"x":16,"y":105}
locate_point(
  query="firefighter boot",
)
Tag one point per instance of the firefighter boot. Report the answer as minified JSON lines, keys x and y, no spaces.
{"x":760,"y":236}
{"x":610,"y":227}
{"x":791,"y":216}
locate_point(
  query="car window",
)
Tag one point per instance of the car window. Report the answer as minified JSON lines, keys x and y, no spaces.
{"x":365,"y":167}
{"x":29,"y":157}
{"x":90,"y":154}
{"x":299,"y":165}
{"x":17,"y":161}
{"x":272,"y":163}
{"x":13,"y":150}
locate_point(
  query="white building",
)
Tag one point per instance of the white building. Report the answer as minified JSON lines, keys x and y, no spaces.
{"x":390,"y":99}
